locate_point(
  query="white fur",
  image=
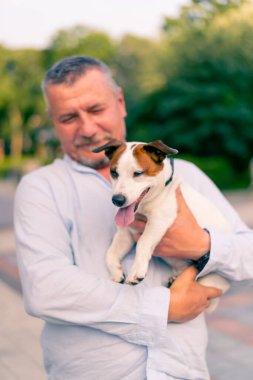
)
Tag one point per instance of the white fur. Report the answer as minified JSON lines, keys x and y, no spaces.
{"x":160,"y":207}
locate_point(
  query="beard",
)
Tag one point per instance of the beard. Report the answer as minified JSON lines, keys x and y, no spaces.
{"x":87,"y":145}
{"x":92,"y":162}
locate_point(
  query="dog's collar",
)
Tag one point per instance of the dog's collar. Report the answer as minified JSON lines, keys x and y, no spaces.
{"x":172,"y":172}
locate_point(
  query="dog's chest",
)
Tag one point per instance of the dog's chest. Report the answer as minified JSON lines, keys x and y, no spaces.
{"x":161,"y":209}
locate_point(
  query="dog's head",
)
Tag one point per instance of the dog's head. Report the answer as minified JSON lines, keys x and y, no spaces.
{"x":135,"y":169}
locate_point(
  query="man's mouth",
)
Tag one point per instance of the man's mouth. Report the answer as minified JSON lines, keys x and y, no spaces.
{"x":125,"y":215}
{"x":91,"y":143}
{"x":87,"y":146}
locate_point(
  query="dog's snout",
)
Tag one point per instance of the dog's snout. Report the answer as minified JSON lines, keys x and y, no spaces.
{"x":119,"y":200}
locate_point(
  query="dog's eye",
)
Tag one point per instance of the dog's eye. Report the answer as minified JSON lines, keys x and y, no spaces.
{"x":137,"y":174}
{"x":114,"y":173}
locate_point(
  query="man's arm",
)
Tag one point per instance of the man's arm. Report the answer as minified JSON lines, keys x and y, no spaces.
{"x":185,"y":239}
{"x":188,"y":298}
{"x":231,"y":254}
{"x":57,"y":290}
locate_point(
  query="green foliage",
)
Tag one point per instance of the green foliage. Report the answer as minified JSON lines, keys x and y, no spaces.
{"x":14,"y":168}
{"x":199,"y":13}
{"x":79,"y":40}
{"x":220,"y":171}
{"x":192,"y":87}
{"x":136,"y":67}
{"x":206,"y":105}
{"x":20,"y":97}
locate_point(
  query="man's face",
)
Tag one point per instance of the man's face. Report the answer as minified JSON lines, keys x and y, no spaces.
{"x":86,"y":115}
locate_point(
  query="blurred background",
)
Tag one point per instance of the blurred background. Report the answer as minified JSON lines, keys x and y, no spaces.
{"x":186,"y":68}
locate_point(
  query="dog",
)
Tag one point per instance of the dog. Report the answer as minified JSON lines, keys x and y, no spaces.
{"x":143,"y":180}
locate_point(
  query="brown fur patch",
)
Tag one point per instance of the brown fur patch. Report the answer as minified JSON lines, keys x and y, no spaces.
{"x":116,"y":155}
{"x":144,"y":159}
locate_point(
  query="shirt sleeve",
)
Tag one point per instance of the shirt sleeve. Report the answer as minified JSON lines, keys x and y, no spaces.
{"x":58,"y":291}
{"x":231,"y":253}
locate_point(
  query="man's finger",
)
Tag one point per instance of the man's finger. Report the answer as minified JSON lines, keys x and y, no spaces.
{"x":136,"y":236}
{"x":213,"y":292}
{"x":180,"y":198}
{"x":137,"y":226}
{"x":189,"y":274}
{"x":141,"y":217}
{"x":139,"y":222}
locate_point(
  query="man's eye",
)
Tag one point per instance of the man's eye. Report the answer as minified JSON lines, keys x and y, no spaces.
{"x":68,"y":119}
{"x":114,"y":174}
{"x":97,"y":110}
{"x":138,"y":174}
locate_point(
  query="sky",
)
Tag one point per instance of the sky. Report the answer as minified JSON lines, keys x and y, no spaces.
{"x":31,"y":23}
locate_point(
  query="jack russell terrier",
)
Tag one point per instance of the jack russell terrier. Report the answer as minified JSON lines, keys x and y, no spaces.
{"x":143,"y":179}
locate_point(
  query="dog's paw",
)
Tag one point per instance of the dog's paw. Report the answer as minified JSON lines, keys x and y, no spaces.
{"x":118,"y":275}
{"x":114,"y":267}
{"x":134,"y":280}
{"x":136,"y":275}
{"x":120,"y":278}
{"x":171,"y":280}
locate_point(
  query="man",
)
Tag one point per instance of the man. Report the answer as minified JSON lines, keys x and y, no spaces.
{"x":64,"y":221}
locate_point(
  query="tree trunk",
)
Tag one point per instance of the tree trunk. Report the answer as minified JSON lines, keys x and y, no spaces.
{"x":16,"y":120}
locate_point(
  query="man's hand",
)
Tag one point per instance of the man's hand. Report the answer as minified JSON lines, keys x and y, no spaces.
{"x":188,"y":298}
{"x":185,"y":239}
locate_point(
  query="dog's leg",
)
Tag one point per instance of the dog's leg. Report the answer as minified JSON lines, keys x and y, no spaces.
{"x":216,"y":281}
{"x":177,"y":265}
{"x":144,"y":250}
{"x":121,"y":244}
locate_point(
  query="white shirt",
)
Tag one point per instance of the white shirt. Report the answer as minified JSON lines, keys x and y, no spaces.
{"x":94,"y":328}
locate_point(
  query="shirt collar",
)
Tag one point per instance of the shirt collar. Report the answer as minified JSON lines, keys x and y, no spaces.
{"x":83,"y":169}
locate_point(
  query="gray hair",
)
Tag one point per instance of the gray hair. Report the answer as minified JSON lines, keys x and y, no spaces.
{"x":69,"y":69}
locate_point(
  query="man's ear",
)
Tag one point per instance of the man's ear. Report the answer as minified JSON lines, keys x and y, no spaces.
{"x":47,"y":112}
{"x":121,"y":100}
{"x":109,"y":148}
{"x":158,"y":151}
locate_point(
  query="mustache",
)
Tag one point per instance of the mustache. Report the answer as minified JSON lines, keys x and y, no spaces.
{"x":87,"y":141}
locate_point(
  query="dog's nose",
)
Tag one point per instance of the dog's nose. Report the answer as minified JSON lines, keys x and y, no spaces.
{"x":119,"y":200}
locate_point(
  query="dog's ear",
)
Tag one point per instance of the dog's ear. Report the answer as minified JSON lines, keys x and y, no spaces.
{"x":158,"y":151}
{"x":109,"y":148}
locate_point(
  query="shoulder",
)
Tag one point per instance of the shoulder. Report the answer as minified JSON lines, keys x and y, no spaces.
{"x":193,"y":175}
{"x":184,"y":166}
{"x":43,"y":179}
{"x":46,"y":173}
{"x":188,"y":171}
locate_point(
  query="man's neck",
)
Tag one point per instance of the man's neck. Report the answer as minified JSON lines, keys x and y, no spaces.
{"x":105,"y":172}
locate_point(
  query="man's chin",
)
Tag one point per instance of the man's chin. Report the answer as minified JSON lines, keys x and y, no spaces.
{"x":93,"y":163}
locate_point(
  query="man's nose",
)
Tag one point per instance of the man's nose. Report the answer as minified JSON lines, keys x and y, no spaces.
{"x":119,"y":200}
{"x":87,"y":126}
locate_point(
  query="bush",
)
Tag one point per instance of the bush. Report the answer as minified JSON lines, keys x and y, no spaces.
{"x":15,"y":168}
{"x":220,"y":171}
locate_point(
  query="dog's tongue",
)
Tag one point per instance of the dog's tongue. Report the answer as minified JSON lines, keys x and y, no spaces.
{"x":125,"y":216}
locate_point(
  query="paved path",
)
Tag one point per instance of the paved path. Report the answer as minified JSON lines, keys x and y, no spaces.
{"x":20,"y":354}
{"x":230,"y":351}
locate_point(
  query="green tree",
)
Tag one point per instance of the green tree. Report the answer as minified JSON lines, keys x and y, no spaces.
{"x":200,"y":13}
{"x":20,"y":98}
{"x":137,"y":69}
{"x":206,"y":105}
{"x":79,"y":40}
